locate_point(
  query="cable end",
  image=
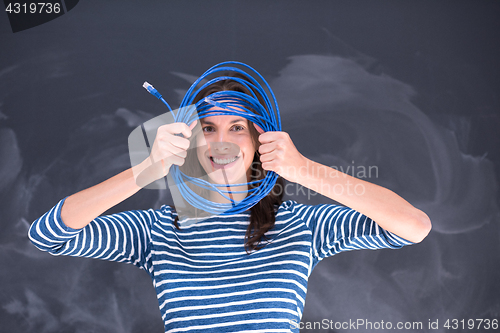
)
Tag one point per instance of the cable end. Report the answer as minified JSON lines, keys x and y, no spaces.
{"x":151,"y":89}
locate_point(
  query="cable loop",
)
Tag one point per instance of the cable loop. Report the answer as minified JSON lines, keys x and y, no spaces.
{"x":234,"y":103}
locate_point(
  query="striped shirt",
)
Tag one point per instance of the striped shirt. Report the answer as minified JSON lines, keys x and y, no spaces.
{"x":204,"y":279}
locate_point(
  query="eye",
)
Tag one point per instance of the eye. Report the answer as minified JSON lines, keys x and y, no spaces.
{"x":238,"y":128}
{"x":208,"y":129}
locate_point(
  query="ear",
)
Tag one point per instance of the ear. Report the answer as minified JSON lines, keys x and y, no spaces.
{"x":258,"y":128}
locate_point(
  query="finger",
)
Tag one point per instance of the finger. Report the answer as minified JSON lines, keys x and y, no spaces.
{"x":174,"y":159}
{"x":193,"y":124}
{"x":167,"y":149}
{"x":269,"y":136}
{"x":268,"y":166}
{"x":170,"y":151}
{"x":177,"y":141}
{"x":177,"y":128}
{"x":267,"y":148}
{"x":195,"y":129}
{"x":268,"y":157}
{"x":185,"y":130}
{"x":258,"y":128}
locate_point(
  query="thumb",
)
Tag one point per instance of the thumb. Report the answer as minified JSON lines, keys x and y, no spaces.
{"x":258,"y":128}
{"x":193,"y":124}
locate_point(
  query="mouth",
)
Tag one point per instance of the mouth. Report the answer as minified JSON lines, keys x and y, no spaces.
{"x":223,"y":162}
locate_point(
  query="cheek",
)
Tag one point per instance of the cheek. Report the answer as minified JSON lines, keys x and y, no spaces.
{"x":245,"y":142}
{"x":250,"y":149}
{"x":201,"y":141}
{"x":201,"y":153}
{"x":201,"y":146}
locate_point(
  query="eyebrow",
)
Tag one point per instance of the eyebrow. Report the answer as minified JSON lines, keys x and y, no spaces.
{"x":206,"y":122}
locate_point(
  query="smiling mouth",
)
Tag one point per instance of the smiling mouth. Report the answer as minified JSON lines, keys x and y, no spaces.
{"x":223,"y":161}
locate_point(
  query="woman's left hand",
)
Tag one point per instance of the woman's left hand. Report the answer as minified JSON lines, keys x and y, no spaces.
{"x":278,"y":154}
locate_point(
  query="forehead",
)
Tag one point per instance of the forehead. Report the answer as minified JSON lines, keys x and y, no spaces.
{"x":223,"y":119}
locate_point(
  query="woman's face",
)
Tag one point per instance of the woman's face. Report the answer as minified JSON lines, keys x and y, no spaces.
{"x":226,"y":149}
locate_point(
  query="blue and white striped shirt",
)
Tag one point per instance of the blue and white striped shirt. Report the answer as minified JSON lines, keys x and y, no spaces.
{"x":204,"y":279}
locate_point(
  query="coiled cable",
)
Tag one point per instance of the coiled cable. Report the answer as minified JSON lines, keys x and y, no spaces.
{"x":234,"y":103}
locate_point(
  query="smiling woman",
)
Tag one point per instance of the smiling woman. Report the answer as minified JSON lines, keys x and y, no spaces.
{"x":224,"y":138}
{"x":226,"y":149}
{"x":236,"y":272}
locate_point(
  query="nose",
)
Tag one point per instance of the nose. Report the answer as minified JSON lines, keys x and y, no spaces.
{"x":221,"y":147}
{"x":222,"y":144}
{"x":221,"y":136}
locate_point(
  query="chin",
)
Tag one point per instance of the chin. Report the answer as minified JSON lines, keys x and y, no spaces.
{"x":218,"y":178}
{"x":232,"y":173}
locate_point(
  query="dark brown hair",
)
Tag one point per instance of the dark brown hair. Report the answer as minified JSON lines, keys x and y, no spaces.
{"x":262,"y":214}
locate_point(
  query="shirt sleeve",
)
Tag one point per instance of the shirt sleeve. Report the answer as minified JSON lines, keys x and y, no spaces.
{"x":337,"y":228}
{"x":122,"y":237}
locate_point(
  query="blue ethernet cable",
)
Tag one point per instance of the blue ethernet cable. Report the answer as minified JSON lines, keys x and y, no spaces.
{"x":155,"y":93}
{"x":265,"y":115}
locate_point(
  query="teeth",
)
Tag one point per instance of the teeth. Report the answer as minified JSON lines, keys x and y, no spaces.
{"x":223,"y":161}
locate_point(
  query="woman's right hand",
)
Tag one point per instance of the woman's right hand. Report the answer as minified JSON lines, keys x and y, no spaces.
{"x":169,"y":148}
{"x":82,"y":207}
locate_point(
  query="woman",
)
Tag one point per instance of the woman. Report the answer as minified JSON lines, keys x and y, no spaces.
{"x":229,"y":273}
